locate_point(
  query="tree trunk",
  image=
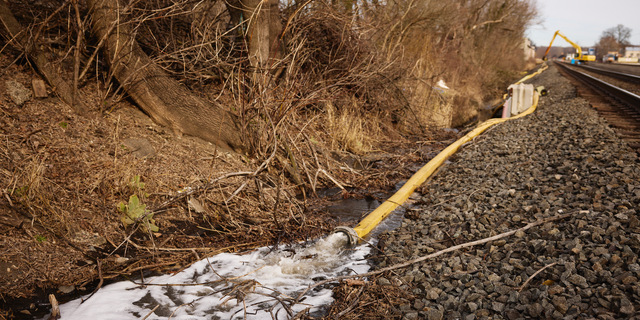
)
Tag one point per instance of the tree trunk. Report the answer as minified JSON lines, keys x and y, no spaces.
{"x":48,"y":70}
{"x":165,"y":100}
{"x":264,"y":27}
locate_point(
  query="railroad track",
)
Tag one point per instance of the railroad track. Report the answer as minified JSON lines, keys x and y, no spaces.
{"x":618,"y":75}
{"x":619,"y":107}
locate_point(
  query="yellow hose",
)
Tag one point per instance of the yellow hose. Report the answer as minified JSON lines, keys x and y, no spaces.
{"x":375,"y":217}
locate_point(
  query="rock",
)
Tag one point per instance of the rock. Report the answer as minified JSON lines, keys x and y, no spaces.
{"x":561,"y":304}
{"x":597,"y":267}
{"x":434,"y":314}
{"x":471,"y":307}
{"x":482,"y":313}
{"x":600,"y":251}
{"x":578,"y":280}
{"x":140,"y":148}
{"x":494,"y":277}
{"x":120,"y":260}
{"x":411,"y":315}
{"x":433,"y":293}
{"x":497,"y":306}
{"x":18,"y":92}
{"x":384,"y":282}
{"x":512,"y":314}
{"x":66,"y":289}
{"x":625,"y":306}
{"x":89,"y":238}
{"x":535,"y":310}
{"x":555,"y":290}
{"x":39,"y":88}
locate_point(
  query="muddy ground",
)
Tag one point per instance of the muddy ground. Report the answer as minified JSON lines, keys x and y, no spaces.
{"x":63,"y":177}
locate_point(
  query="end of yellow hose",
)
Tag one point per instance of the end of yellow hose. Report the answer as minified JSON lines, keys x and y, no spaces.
{"x":351,"y":234}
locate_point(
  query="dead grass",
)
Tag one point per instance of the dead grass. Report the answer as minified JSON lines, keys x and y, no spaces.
{"x":351,"y":131}
{"x":346,"y":89}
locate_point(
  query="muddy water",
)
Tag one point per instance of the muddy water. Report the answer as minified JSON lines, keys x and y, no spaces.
{"x":350,"y":211}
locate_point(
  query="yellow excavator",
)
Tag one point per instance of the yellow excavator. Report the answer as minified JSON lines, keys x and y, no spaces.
{"x":580,"y":57}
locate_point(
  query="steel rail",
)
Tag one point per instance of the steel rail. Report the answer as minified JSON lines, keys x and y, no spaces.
{"x":622,"y":95}
{"x":614,"y":74}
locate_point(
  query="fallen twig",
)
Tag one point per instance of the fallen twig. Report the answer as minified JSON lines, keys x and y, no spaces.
{"x":351,"y":305}
{"x":261,"y":167}
{"x":200,"y":189}
{"x":535,"y":274}
{"x":150,"y":312}
{"x":99,"y":284}
{"x":331,"y":178}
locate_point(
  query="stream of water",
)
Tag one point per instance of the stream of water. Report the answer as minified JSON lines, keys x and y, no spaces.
{"x":261,"y":284}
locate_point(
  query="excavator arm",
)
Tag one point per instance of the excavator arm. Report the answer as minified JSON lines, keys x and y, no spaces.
{"x":558,"y":33}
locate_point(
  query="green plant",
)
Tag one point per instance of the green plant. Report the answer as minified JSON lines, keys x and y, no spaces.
{"x":135,"y":212}
{"x":41,"y":239}
{"x":63,"y":124}
{"x":137,"y":187}
{"x":135,"y":183}
{"x":22,"y":191}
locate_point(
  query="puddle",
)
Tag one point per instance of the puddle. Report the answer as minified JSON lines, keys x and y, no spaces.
{"x":350,"y":210}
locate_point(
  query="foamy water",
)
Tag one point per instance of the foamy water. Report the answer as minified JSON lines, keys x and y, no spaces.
{"x":257,"y":285}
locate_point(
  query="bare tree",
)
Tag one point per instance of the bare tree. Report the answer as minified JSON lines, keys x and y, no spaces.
{"x":606,"y":44}
{"x":614,"y":39}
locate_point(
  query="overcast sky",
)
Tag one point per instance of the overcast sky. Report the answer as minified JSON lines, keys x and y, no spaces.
{"x":583,"y":21}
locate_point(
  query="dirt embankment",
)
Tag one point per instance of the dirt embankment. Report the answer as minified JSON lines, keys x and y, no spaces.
{"x":63,"y":177}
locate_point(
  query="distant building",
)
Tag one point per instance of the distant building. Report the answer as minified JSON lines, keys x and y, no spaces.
{"x":529,"y":49}
{"x":632,"y":52}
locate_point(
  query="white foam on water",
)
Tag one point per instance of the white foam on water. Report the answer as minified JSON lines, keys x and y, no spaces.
{"x":263,"y":277}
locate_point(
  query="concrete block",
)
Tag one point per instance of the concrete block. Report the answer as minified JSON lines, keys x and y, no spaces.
{"x":627,"y":60}
{"x":521,"y":97}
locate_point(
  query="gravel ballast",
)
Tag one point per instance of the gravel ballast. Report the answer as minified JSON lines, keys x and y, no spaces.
{"x":561,"y":159}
